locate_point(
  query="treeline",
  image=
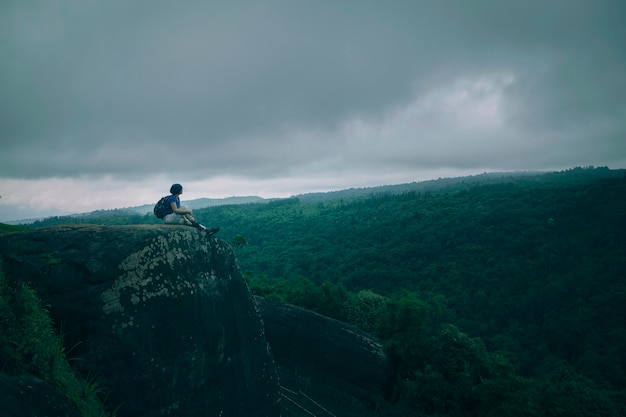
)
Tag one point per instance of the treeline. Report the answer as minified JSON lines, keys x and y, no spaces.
{"x":503,"y":297}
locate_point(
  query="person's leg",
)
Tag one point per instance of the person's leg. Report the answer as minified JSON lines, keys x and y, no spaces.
{"x":199,"y":226}
{"x":188,"y":219}
{"x":191,"y":221}
{"x":174,"y":218}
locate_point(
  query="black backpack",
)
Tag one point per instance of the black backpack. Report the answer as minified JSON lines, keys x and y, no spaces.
{"x":159,"y":207}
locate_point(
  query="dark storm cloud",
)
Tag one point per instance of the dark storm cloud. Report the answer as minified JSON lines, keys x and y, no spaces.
{"x":262,"y":89}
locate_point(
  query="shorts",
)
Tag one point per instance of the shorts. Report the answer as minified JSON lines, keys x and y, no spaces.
{"x":175,"y":218}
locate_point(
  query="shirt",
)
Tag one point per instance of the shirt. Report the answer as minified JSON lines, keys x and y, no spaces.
{"x":168,"y":204}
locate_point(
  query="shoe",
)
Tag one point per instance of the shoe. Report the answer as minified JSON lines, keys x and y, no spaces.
{"x":212,"y":231}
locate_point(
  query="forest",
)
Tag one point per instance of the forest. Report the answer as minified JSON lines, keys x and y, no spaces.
{"x":505,"y":296}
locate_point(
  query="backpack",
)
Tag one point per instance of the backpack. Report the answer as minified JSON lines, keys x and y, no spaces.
{"x":159,"y":207}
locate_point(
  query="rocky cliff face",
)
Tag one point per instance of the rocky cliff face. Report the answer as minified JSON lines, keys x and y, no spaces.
{"x":160,"y":313}
{"x":325,"y":365}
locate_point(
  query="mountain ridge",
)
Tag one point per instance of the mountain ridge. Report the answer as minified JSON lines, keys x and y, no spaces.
{"x":357,"y":192}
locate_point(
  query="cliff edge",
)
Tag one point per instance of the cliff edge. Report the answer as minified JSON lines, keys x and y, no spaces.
{"x":160,"y":314}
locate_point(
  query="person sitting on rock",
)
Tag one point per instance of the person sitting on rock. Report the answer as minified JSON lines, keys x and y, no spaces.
{"x":177,"y":214}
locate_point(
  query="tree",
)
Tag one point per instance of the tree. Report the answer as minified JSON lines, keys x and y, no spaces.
{"x":239,"y":241}
{"x":402,"y":323}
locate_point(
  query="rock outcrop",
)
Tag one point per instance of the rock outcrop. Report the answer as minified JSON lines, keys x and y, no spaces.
{"x":325,"y":362}
{"x":353,"y":360}
{"x":161,"y":314}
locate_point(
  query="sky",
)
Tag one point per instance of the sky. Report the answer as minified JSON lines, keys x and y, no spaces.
{"x":106,"y":103}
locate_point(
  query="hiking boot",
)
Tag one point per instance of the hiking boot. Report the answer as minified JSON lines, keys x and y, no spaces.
{"x":212,"y":231}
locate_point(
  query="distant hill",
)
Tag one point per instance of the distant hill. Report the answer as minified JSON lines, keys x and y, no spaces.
{"x":204,"y":203}
{"x":430,"y":185}
{"x":196,"y":204}
{"x":573,"y":175}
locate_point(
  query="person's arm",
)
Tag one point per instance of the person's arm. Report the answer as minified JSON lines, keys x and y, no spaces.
{"x":179,"y":210}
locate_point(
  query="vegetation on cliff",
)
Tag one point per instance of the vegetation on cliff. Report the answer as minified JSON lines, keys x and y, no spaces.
{"x":30,"y":343}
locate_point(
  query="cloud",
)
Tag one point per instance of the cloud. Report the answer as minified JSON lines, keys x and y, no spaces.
{"x":281,"y":92}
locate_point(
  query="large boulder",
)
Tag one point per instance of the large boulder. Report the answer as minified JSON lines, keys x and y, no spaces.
{"x":325,"y":364}
{"x":160,"y":314}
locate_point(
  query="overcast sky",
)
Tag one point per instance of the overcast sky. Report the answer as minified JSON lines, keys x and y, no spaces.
{"x":106,"y":103}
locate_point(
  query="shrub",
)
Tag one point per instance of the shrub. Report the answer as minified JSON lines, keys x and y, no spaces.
{"x":29,"y":343}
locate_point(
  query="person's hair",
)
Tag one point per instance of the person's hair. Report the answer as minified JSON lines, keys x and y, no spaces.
{"x":176,"y":189}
